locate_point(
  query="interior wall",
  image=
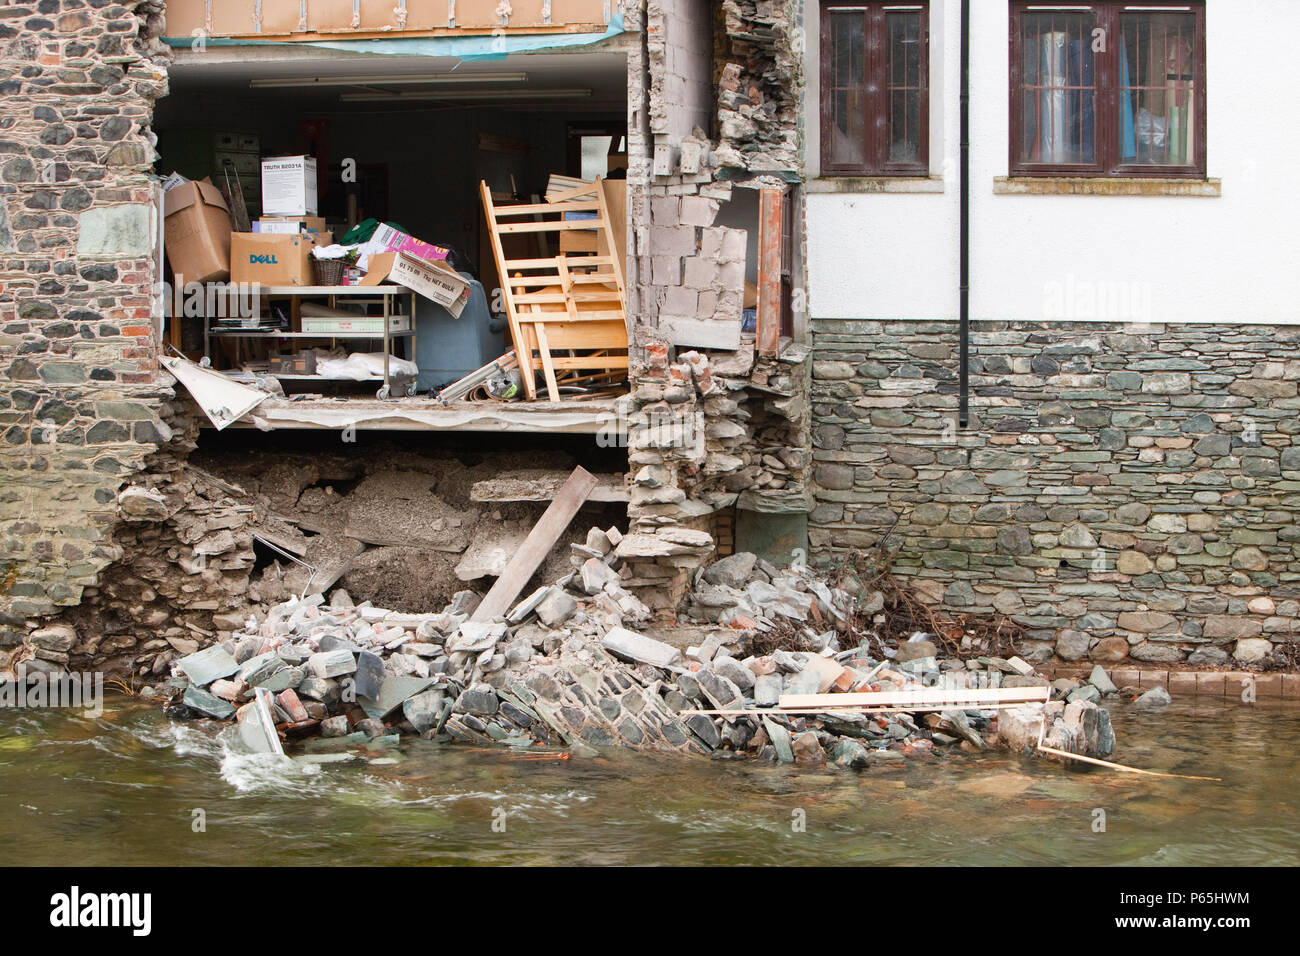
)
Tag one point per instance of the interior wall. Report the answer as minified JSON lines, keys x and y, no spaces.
{"x":742,"y":213}
{"x":434,"y":163}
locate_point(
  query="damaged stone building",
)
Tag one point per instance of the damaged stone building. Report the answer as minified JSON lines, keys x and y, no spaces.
{"x":810,"y":257}
{"x":127,"y":514}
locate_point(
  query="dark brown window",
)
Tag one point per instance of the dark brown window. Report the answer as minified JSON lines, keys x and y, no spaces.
{"x":1108,"y":89}
{"x":875,"y":95}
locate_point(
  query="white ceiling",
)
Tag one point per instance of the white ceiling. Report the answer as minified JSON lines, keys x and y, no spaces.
{"x":229,"y":70}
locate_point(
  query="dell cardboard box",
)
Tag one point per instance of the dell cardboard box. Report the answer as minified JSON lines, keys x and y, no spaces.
{"x":289,"y":186}
{"x":269,"y":259}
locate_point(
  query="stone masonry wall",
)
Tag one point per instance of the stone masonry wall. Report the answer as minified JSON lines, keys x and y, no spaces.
{"x":1123,"y":491}
{"x":79,"y":404}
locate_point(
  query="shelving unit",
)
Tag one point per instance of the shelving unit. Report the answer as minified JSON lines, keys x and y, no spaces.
{"x":386,"y":294}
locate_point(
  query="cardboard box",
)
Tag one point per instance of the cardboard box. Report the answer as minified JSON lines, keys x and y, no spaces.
{"x":196,"y":232}
{"x":289,"y":186}
{"x":394,"y":240}
{"x":289,"y":225}
{"x":354,"y":324}
{"x":433,"y":279}
{"x":271,"y":259}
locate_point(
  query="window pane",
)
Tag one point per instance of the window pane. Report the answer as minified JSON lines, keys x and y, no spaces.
{"x":904,"y":89}
{"x":848,"y":92}
{"x":1157,"y":80}
{"x":1058,"y":88}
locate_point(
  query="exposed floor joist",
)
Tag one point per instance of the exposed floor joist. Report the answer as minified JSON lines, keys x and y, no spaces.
{"x":542,"y":485}
{"x":421,"y":414}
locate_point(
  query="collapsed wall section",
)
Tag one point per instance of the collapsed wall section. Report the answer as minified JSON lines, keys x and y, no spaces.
{"x":80,"y":408}
{"x":711,"y":426}
{"x":1124,"y":491}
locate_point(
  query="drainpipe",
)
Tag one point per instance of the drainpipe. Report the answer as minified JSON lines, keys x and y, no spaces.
{"x":963,"y":315}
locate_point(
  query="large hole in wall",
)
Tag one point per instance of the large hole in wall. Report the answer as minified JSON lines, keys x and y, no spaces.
{"x":403,"y":520}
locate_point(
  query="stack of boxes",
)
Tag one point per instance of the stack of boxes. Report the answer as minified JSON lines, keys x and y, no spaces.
{"x":278,"y":250}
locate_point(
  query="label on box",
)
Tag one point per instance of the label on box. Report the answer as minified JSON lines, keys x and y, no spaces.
{"x":394,"y":240}
{"x":436,"y":281}
{"x":289,"y":186}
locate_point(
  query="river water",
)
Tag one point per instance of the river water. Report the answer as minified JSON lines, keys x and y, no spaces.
{"x":124,"y":789}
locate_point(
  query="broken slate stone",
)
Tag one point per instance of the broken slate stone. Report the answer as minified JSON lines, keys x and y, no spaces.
{"x":767,"y":690}
{"x":331,"y":663}
{"x":394,"y":692}
{"x":1101,"y":680}
{"x":721,"y":692}
{"x":476,"y":636}
{"x":527,"y":605}
{"x":198,"y":699}
{"x":208,"y":665}
{"x":332,"y":642}
{"x":477,"y":699}
{"x":369,"y":675}
{"x":256,"y":670}
{"x":556,"y":608}
{"x":734,"y":671}
{"x":702,"y":726}
{"x":423,"y":710}
{"x":595,"y":574}
{"x":1155,"y":697}
{"x":780,"y":738}
{"x":640,"y":649}
{"x":334,"y":727}
{"x":256,"y":726}
{"x":319,"y":688}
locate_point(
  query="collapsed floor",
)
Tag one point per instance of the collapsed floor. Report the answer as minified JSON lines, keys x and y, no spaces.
{"x":215,"y":533}
{"x":565,"y":668}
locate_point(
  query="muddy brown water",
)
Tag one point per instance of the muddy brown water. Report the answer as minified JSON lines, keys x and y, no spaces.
{"x":124,"y":789}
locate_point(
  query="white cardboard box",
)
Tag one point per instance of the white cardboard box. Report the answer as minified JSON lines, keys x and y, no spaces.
{"x":289,"y":186}
{"x":433,"y":279}
{"x":360,"y":324}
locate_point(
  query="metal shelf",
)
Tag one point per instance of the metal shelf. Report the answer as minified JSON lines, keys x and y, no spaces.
{"x":255,"y":333}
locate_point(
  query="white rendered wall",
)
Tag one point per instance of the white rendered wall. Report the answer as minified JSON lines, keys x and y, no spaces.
{"x":1233,"y":257}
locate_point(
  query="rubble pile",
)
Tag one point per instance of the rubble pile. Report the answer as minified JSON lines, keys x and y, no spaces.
{"x":567,"y":667}
{"x":708,"y":433}
{"x":204,"y":540}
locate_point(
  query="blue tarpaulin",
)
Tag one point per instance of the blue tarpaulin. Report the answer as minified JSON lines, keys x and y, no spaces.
{"x":464,"y":48}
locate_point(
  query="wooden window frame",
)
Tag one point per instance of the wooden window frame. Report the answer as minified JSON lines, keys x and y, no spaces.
{"x":1106,"y":113}
{"x":876,"y":118}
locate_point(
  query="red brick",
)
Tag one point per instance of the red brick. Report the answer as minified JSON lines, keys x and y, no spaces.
{"x":1209,"y":684}
{"x":1125,"y":676}
{"x":1182,"y":684}
{"x":1268,"y":685}
{"x":1234,"y":682}
{"x":1291,"y":686}
{"x":1149,"y":679}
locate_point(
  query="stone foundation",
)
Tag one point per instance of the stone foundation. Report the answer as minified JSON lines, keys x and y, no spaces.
{"x":1123,"y":491}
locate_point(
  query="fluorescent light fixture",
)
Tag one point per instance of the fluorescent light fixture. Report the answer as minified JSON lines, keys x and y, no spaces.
{"x":463,"y":96}
{"x":403,"y":79}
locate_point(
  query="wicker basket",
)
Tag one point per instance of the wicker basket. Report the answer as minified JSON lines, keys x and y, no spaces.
{"x":329,"y":271}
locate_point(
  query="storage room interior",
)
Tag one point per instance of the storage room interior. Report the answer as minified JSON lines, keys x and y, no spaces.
{"x":401,"y":140}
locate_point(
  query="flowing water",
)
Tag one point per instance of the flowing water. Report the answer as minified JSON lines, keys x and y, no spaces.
{"x":124,"y":788}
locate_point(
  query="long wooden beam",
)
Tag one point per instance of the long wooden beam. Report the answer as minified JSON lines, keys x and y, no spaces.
{"x":536,"y":546}
{"x":951,"y":696}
